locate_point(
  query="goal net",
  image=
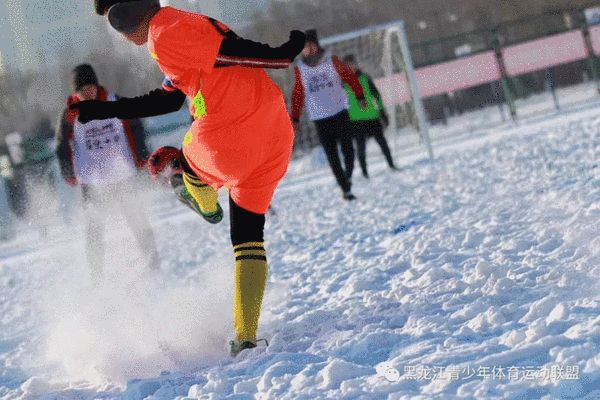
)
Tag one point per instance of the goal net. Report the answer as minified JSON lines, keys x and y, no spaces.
{"x":382,"y":52}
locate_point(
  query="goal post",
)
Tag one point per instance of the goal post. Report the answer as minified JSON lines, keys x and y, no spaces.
{"x":382,"y":51}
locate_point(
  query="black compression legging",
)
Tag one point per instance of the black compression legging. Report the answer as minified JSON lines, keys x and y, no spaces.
{"x":246,"y":226}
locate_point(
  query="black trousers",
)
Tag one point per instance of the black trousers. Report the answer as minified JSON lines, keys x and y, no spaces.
{"x":361,"y":131}
{"x":333,"y":131}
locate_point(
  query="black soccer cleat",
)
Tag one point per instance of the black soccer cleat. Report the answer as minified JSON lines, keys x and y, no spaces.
{"x":348,"y":196}
{"x":237,"y":347}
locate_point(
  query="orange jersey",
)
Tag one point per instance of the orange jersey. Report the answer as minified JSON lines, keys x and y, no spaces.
{"x":241,"y":136}
{"x":185,"y":46}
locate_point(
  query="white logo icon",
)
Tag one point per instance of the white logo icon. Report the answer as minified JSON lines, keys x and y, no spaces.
{"x":388,"y":371}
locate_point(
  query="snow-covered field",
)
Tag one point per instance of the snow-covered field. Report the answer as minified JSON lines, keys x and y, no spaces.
{"x":473,"y":276}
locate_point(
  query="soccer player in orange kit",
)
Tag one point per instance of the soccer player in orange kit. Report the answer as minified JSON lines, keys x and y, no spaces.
{"x":241,"y":137}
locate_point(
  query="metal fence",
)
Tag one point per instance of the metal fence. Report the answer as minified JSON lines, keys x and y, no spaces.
{"x":521,"y":89}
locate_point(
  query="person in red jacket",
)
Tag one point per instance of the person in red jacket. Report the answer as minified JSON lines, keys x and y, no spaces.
{"x":320,"y":77}
{"x":241,"y":137}
{"x":103,"y":158}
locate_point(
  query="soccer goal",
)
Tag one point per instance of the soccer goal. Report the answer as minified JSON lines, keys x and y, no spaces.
{"x":382,"y":52}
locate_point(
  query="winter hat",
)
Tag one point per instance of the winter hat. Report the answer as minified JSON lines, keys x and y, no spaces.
{"x":350,"y":59}
{"x":125,"y":15}
{"x":312,"y":36}
{"x":83,"y":75}
{"x":102,"y":6}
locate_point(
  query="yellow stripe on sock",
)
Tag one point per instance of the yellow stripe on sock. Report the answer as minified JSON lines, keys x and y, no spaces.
{"x":244,"y":251}
{"x":249,"y":244}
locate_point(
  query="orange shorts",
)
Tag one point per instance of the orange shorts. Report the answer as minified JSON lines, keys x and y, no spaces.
{"x":249,"y":157}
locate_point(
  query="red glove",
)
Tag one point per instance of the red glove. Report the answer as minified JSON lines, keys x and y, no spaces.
{"x":165,"y":162}
{"x":71,"y":181}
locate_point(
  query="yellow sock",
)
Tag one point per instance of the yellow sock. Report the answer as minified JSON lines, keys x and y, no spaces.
{"x":250,"y":281}
{"x":205,"y":196}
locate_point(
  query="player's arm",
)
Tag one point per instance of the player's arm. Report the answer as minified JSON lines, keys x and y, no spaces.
{"x":139,"y":148}
{"x":379,"y":100}
{"x":375,"y":92}
{"x":157,"y":102}
{"x":297,"y":97}
{"x":64,"y":151}
{"x":235,"y":50}
{"x":349,"y":77}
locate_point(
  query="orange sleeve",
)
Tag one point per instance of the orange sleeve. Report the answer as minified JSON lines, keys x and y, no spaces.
{"x":297,"y":96}
{"x":189,"y":44}
{"x":349,"y":77}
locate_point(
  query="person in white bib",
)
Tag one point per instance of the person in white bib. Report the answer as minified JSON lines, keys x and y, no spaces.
{"x":320,"y":78}
{"x":103,"y":158}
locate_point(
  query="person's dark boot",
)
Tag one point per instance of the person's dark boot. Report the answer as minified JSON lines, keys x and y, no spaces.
{"x":236,"y":347}
{"x":348,"y":196}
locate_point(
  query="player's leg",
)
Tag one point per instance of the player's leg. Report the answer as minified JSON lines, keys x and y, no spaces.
{"x":326,"y":130}
{"x":251,"y":271}
{"x":204,"y":195}
{"x":361,"y":146}
{"x":94,"y":233}
{"x":137,"y":219}
{"x":249,"y":202}
{"x":344,"y":131}
{"x":377,"y":129}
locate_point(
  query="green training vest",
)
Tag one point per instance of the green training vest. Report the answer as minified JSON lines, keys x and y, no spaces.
{"x":357,"y":113}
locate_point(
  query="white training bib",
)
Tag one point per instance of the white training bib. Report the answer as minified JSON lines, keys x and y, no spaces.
{"x":101,"y":152}
{"x":324,"y":93}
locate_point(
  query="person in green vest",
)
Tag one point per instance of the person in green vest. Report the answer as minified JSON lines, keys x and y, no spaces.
{"x":367,"y":121}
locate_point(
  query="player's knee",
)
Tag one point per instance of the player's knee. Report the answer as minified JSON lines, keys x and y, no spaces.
{"x":246,"y":226}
